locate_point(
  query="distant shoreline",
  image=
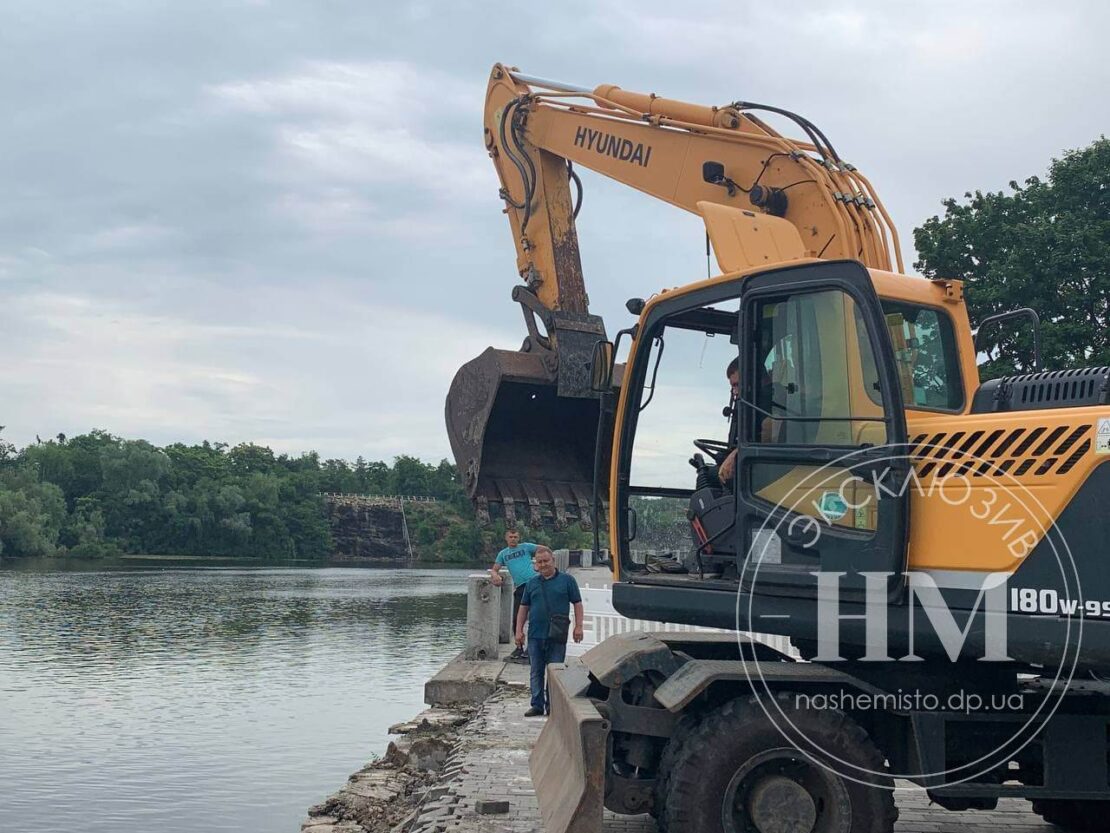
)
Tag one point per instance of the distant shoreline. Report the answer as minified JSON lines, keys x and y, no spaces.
{"x":70,"y":560}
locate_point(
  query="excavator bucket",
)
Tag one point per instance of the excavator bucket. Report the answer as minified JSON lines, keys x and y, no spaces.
{"x":568,"y":760}
{"x":524,"y":449}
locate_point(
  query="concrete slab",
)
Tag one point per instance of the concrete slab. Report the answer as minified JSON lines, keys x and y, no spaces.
{"x":431,"y":721}
{"x":462,"y":683}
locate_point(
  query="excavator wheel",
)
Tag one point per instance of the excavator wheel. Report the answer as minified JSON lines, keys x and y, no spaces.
{"x":1076,"y":815}
{"x":684,"y":728}
{"x":736,"y":773}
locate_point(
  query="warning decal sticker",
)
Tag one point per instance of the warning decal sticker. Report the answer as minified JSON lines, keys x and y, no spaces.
{"x":1102,"y":436}
{"x":834,"y":507}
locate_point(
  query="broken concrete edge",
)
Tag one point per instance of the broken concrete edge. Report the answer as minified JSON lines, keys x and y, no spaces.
{"x":431,"y":720}
{"x":390,"y":794}
{"x":463,"y":682}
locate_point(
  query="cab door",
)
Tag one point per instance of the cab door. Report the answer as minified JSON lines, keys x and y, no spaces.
{"x":821,"y":475}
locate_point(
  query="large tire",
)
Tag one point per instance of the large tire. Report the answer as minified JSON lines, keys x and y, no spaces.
{"x":683,"y":729}
{"x":1076,"y":815}
{"x":736,"y":773}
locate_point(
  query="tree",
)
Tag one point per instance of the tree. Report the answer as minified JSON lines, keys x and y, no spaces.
{"x":410,"y":476}
{"x":84,"y":532}
{"x":31,"y":514}
{"x":52,"y":462}
{"x":246,"y":458}
{"x":1046,"y":245}
{"x":85,"y":452}
{"x":7,"y":451}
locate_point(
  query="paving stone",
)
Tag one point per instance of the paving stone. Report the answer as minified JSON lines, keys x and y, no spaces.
{"x":489,"y":808}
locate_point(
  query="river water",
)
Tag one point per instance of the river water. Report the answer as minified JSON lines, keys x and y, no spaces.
{"x":173,"y":697}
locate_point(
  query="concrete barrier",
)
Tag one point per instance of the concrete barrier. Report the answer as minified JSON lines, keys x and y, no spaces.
{"x":483,"y":617}
{"x":505,"y":632}
{"x":562,"y":560}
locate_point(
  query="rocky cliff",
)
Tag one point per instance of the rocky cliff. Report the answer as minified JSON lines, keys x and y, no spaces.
{"x":367,"y":529}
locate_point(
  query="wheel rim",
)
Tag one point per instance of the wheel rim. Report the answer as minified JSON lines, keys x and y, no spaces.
{"x":783,"y":791}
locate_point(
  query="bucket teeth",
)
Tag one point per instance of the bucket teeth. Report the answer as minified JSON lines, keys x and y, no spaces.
{"x":539,"y":504}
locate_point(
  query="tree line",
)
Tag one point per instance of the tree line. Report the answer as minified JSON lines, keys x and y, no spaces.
{"x":98,"y":495}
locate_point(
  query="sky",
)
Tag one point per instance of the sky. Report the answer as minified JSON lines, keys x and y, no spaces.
{"x":275,"y":222}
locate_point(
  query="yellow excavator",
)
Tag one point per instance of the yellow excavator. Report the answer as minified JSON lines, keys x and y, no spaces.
{"x":933,"y":546}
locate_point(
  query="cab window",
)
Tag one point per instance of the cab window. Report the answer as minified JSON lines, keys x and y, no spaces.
{"x":925,"y":356}
{"x":820,"y":387}
{"x":819,"y":384}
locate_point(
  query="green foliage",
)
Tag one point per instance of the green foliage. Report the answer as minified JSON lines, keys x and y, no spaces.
{"x":85,"y":531}
{"x":31,"y":513}
{"x":441,"y":533}
{"x":572,"y":537}
{"x":1046,"y":245}
{"x":7,"y":451}
{"x":98,"y":495}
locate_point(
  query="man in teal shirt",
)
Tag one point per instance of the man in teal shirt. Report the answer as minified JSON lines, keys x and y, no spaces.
{"x":518,"y":558}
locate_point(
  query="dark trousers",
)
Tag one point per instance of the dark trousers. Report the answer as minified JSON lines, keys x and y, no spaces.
{"x":540,"y":653}
{"x":518,"y":594}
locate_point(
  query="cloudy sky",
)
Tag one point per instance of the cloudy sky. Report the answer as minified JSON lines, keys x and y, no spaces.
{"x":275,"y":221}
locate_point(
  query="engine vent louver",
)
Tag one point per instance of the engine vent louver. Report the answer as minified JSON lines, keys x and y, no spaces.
{"x":1021,"y":452}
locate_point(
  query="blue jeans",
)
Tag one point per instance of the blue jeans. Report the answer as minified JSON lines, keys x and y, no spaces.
{"x":540,"y":653}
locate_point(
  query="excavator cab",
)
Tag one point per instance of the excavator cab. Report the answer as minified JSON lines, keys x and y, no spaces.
{"x":819,"y":408}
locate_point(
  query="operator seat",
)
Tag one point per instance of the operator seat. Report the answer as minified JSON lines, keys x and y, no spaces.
{"x":712,"y":516}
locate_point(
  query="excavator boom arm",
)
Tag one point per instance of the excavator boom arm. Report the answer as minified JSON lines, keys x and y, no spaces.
{"x":523,"y":424}
{"x":677,"y":152}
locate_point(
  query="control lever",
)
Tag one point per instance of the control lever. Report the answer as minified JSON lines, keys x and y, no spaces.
{"x":706,"y":478}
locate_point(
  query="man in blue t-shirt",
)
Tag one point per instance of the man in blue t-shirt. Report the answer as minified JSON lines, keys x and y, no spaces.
{"x":518,"y":558}
{"x":545,"y":603}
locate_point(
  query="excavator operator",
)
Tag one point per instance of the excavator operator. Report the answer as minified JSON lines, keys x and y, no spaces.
{"x":765,"y":425}
{"x":728,"y":465}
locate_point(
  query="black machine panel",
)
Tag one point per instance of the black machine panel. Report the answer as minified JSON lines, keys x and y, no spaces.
{"x":1039,"y":391}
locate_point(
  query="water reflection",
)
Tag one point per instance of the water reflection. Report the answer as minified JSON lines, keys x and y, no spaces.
{"x":191,"y":698}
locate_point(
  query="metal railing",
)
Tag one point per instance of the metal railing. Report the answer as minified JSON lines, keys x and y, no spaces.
{"x":380,"y":498}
